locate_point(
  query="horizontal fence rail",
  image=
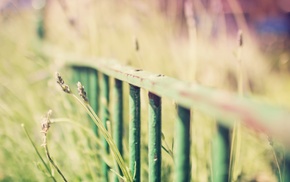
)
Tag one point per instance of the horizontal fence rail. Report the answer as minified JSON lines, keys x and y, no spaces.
{"x":226,"y":108}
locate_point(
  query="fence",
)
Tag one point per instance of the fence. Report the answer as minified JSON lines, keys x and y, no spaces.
{"x":224,"y":107}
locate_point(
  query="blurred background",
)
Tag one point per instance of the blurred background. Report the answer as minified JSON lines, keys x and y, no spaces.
{"x":94,"y":28}
{"x":198,"y":41}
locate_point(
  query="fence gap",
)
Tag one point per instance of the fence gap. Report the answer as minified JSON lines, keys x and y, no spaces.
{"x":134,"y":132}
{"x":105,"y":92}
{"x":154,"y":138}
{"x":118,"y":118}
{"x":182,"y":165}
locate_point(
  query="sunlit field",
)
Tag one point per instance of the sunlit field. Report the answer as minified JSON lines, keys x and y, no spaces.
{"x":137,"y":34}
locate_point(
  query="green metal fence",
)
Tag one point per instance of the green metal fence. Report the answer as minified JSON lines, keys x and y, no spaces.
{"x":224,"y":107}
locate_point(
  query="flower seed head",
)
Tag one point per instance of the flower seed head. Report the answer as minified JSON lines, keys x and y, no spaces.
{"x":82,"y":91}
{"x":46,"y":122}
{"x":60,"y":81}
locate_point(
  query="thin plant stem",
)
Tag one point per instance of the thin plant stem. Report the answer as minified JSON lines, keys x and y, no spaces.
{"x":50,"y":159}
{"x":236,"y":134}
{"x":231,"y":154}
{"x":238,"y":15}
{"x":167,"y":149}
{"x":277,"y":163}
{"x":275,"y":158}
{"x":45,"y":127}
{"x":118,"y":175}
{"x":115,"y":152}
{"x":113,"y":147}
{"x":46,"y":167}
{"x":108,"y":138}
{"x":87,"y":130}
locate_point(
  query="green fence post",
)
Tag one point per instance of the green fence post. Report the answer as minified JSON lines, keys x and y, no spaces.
{"x":75,"y":74}
{"x":221,"y":154}
{"x":89,"y":79}
{"x":93,"y":94}
{"x":84,"y":77}
{"x":118,"y":118}
{"x":134,"y":132}
{"x":105,"y":92}
{"x":154,"y":138}
{"x":182,"y":165}
{"x":40,"y":24}
{"x":286,"y":169}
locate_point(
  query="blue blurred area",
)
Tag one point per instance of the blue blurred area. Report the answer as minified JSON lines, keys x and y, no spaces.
{"x":274,"y":25}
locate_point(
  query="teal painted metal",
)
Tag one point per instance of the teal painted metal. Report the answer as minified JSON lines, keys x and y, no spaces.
{"x":221,"y":154}
{"x":134,"y":132}
{"x":84,"y":77}
{"x":227,"y":107}
{"x":105,"y":93}
{"x":75,"y":74}
{"x":285,"y":170}
{"x":182,"y":167}
{"x":89,"y":78}
{"x":154,"y":138}
{"x":40,"y":24}
{"x":75,"y":79}
{"x":93,"y":93}
{"x":118,"y":117}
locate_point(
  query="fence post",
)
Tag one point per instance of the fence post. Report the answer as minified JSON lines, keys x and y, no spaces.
{"x":93,"y":94}
{"x":84,"y":77}
{"x":154,"y":138}
{"x":75,"y":74}
{"x":105,"y":92}
{"x":182,"y":145}
{"x":118,"y":118}
{"x":134,"y":132}
{"x":221,"y":154}
{"x":40,"y":28}
{"x":286,"y":168}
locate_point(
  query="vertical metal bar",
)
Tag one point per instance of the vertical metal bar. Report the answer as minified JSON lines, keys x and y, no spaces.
{"x":134,"y":132}
{"x":182,"y":145}
{"x":75,"y":74}
{"x":154,"y":138}
{"x":105,"y":92}
{"x":286,"y":169}
{"x":83,"y":77}
{"x":221,"y":154}
{"x":118,"y":118}
{"x":93,"y":94}
{"x":40,"y":24}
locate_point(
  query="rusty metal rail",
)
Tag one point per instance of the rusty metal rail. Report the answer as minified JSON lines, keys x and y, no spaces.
{"x":226,"y":108}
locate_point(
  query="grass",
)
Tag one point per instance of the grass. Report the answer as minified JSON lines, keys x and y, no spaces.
{"x":28,"y":89}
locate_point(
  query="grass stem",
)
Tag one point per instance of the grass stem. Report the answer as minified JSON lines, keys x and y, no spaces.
{"x":50,"y":159}
{"x":46,"y":167}
{"x":107,"y":137}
